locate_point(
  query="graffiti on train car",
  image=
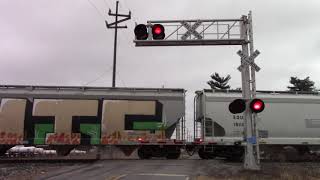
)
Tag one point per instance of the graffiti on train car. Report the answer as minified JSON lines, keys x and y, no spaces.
{"x":121,"y":118}
{"x":12,"y":115}
{"x":69,"y":121}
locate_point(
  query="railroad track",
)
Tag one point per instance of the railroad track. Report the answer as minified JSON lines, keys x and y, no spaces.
{"x":71,"y":158}
{"x":94,"y":156}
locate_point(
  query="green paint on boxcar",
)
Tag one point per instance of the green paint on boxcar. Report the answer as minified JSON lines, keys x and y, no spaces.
{"x":147,"y":125}
{"x":93,"y":130}
{"x":40,"y":132}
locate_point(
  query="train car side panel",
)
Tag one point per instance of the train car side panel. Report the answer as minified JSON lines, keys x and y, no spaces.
{"x":12,"y":115}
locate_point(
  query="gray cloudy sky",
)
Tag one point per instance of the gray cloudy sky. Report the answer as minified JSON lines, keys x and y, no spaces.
{"x":46,"y":42}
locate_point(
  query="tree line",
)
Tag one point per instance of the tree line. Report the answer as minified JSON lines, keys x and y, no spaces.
{"x":297,"y":84}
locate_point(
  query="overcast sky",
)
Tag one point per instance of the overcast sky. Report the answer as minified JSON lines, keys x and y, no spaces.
{"x":46,"y":42}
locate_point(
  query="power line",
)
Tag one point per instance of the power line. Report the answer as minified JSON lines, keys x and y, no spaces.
{"x":127,"y":7}
{"x":124,"y":85}
{"x":107,"y":4}
{"x":99,"y":77}
{"x":96,"y":8}
{"x":124,"y":6}
{"x":110,"y":25}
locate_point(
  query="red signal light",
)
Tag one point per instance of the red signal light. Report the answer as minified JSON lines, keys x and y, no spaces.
{"x":158,"y":32}
{"x":257,"y":105}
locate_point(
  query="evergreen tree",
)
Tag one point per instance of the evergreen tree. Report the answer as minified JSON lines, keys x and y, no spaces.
{"x":301,"y":84}
{"x":218,"y":82}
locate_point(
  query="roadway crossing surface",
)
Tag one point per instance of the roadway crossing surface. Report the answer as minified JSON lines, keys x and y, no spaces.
{"x":144,"y":169}
{"x":182,"y":169}
{"x":156,"y":169}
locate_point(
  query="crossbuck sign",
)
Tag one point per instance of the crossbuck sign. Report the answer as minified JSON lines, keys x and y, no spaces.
{"x":191,"y":30}
{"x":248,"y":60}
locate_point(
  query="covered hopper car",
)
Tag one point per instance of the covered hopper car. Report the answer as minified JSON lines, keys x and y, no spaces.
{"x":289,"y":122}
{"x":63,"y":118}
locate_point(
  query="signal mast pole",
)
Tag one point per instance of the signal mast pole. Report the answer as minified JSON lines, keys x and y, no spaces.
{"x":115,"y":26}
{"x":250,"y":159}
{"x":253,"y":86}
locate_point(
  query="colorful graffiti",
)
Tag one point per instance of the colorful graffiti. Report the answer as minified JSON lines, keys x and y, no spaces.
{"x":62,"y":138}
{"x":12,"y":115}
{"x":73,"y":122}
{"x":11,"y":138}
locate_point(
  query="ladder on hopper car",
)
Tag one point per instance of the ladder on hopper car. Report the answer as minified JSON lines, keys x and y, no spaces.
{"x":181,"y":129}
{"x":198,"y":130}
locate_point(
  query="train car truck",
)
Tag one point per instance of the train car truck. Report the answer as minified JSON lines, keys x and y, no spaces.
{"x":289,"y":124}
{"x":64,"y":118}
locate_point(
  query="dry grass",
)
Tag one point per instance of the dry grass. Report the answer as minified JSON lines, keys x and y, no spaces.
{"x":280,"y":171}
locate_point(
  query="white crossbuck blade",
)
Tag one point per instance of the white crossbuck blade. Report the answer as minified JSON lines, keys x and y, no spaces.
{"x":191,"y":30}
{"x":248,"y":60}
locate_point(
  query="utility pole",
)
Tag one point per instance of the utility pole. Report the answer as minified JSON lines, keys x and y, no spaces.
{"x":115,"y":26}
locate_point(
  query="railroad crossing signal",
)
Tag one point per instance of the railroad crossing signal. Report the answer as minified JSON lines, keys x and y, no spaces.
{"x":213,"y":32}
{"x":191,"y":30}
{"x":248,"y":60}
{"x":220,"y":32}
{"x":239,"y":106}
{"x":141,"y":32}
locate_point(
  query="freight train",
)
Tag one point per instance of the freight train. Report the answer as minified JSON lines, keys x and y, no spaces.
{"x":145,"y":119}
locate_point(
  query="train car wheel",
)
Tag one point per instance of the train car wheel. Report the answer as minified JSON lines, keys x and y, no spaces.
{"x":63,"y":151}
{"x":173,"y":155}
{"x":202,"y":154}
{"x":4,"y":149}
{"x":211,"y":156}
{"x":143,"y":153}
